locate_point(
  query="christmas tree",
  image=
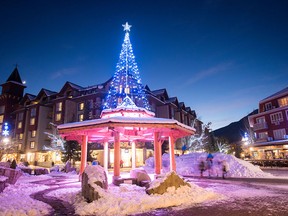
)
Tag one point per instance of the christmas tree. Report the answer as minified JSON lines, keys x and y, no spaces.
{"x":126,"y":81}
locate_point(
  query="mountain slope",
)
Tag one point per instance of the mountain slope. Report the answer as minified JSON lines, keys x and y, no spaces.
{"x":234,"y":131}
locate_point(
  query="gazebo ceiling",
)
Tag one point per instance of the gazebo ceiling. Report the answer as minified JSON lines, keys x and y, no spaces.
{"x":129,"y":129}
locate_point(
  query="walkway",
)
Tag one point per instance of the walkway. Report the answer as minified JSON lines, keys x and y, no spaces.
{"x":60,"y":207}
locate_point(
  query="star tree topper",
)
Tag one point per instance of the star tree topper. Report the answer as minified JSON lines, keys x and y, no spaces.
{"x":127,"y":27}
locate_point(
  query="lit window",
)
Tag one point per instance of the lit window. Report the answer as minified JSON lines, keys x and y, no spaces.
{"x":19,"y":126}
{"x":81,"y":106}
{"x":19,"y":146}
{"x":58,"y":117}
{"x":1,"y":118}
{"x":283,"y":101}
{"x":33,"y":133}
{"x":81,"y":117}
{"x":32,"y":121}
{"x":59,"y":107}
{"x":33,"y":112}
{"x":21,"y":136}
{"x":32,"y":144}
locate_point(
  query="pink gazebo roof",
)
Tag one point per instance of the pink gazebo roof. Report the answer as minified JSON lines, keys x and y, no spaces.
{"x":130,"y":128}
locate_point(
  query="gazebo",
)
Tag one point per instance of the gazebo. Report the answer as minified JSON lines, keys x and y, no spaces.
{"x":126,"y":118}
{"x":126,"y":123}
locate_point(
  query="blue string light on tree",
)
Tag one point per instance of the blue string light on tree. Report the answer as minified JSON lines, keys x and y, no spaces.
{"x":5,"y":131}
{"x":126,"y":80}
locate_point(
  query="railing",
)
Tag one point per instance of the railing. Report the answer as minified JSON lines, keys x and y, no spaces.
{"x":260,"y":126}
{"x":270,"y":163}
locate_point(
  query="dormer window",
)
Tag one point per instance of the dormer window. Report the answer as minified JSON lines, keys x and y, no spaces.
{"x":268,"y":106}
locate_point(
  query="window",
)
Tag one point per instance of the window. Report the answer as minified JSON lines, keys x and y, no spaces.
{"x":19,"y":125}
{"x":279,"y":134}
{"x":32,"y":144}
{"x":283,"y":101}
{"x":263,"y":135}
{"x":81,"y":106}
{"x":2,"y":109}
{"x":59,"y":107}
{"x":32,"y":121}
{"x":276,"y":118}
{"x":58,"y":117}
{"x":80,"y":117}
{"x":1,"y":118}
{"x":33,"y":112}
{"x":20,"y":116}
{"x":268,"y":106}
{"x":19,"y":146}
{"x":260,"y":120}
{"x":21,"y":136}
{"x":33,"y":133}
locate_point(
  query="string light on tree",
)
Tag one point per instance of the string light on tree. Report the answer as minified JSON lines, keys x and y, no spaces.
{"x":5,"y":131}
{"x":126,"y":80}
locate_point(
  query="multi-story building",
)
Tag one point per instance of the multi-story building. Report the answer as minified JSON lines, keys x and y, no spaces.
{"x":270,"y":126}
{"x":30,"y":116}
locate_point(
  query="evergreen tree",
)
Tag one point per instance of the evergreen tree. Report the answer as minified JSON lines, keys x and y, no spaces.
{"x":126,"y":80}
{"x":72,"y":151}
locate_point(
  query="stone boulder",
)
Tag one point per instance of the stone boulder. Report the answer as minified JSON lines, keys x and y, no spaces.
{"x":160,"y":185}
{"x":94,"y":182}
{"x":141,"y":176}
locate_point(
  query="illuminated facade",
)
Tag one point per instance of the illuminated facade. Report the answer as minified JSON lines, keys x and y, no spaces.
{"x":270,"y":126}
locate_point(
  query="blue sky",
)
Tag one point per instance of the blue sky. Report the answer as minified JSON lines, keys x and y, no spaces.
{"x":218,"y":57}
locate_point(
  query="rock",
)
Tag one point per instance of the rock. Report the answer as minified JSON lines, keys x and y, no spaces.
{"x":160,"y":185}
{"x":94,"y":181}
{"x":141,"y":175}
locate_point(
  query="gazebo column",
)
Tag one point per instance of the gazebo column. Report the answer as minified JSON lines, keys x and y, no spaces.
{"x":106,"y":156}
{"x":83,"y":153}
{"x":157,"y":153}
{"x":133,"y":147}
{"x":116,"y":155}
{"x":171,"y":153}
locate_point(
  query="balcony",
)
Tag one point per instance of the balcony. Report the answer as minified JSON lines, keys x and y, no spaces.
{"x":260,"y":126}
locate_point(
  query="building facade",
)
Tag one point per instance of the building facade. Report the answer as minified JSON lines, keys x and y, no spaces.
{"x":32,"y":116}
{"x":270,"y":126}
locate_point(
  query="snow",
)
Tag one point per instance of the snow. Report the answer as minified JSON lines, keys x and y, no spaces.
{"x":132,"y":199}
{"x":188,"y":165}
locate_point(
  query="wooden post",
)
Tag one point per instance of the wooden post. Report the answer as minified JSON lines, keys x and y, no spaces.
{"x":133,"y":148}
{"x":171,"y":153}
{"x":83,"y":153}
{"x":116,"y":155}
{"x":106,"y":156}
{"x":157,"y":153}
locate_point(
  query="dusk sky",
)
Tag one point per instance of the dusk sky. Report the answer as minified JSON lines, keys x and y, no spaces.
{"x":218,"y":57}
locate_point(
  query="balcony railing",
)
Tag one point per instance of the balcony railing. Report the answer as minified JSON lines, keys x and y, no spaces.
{"x":260,"y":126}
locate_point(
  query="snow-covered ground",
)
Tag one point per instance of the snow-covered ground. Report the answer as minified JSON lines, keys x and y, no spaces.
{"x":188,"y":164}
{"x":126,"y":199}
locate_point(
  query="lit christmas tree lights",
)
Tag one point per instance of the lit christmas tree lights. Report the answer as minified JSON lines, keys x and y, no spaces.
{"x":126,"y":81}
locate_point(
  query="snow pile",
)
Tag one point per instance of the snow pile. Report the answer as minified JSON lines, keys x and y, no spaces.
{"x":188,"y":164}
{"x":130,"y":199}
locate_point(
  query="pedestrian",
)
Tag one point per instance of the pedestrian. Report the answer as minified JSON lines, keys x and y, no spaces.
{"x":201,"y":167}
{"x":225,"y":168}
{"x":121,"y":163}
{"x":209,"y":162}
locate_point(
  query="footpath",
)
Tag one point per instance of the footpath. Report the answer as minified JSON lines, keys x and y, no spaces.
{"x":60,"y":207}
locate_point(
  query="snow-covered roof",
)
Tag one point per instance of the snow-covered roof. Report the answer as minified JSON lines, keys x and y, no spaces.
{"x":125,"y":120}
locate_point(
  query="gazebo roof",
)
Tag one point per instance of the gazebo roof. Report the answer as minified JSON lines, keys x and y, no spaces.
{"x":130,"y":128}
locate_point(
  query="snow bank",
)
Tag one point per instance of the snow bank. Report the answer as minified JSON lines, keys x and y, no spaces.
{"x":188,"y":164}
